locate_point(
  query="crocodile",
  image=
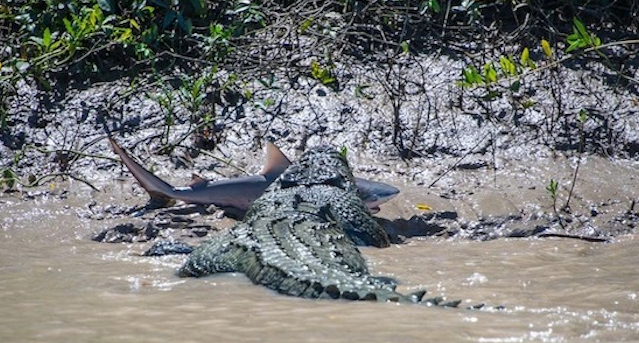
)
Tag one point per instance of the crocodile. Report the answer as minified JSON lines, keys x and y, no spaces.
{"x":236,"y":195}
{"x":300,"y":237}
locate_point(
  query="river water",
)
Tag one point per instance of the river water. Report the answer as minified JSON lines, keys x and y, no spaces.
{"x":57,"y":285}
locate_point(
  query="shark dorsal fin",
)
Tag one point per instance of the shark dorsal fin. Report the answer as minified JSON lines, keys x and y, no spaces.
{"x":276,"y":162}
{"x":197,"y":181}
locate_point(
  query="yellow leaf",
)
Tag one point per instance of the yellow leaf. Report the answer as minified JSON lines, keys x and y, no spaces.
{"x":525,"y":56}
{"x":134,"y":24}
{"x":126,"y":34}
{"x":423,"y":207}
{"x":546,"y":47}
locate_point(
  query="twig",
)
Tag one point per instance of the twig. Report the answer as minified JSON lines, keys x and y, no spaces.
{"x":458,"y":161}
{"x":37,"y":181}
{"x":583,"y":238}
{"x":74,"y":152}
{"x":207,"y":153}
{"x":574,"y":176}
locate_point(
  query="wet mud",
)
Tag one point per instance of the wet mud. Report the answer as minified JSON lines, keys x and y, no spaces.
{"x":59,"y":285}
{"x":479,"y":204}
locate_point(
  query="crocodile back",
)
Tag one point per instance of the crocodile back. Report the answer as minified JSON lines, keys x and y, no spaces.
{"x":299,"y":238}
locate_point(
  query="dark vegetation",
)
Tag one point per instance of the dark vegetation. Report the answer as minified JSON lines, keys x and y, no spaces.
{"x":207,"y":54}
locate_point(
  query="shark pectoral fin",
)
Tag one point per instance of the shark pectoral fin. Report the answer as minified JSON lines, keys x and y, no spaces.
{"x":234,"y":212}
{"x":159,"y":200}
{"x":197,"y":181}
{"x":276,"y":162}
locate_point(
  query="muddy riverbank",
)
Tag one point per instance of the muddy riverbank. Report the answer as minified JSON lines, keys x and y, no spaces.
{"x":483,"y":176}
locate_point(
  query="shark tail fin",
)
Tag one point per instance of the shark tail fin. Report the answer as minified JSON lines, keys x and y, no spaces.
{"x":159,"y":191}
{"x":276,"y":162}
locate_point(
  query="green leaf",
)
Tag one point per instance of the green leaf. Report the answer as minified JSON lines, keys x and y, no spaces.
{"x":525,"y":56}
{"x":46,"y":38}
{"x":9,"y":177}
{"x":515,"y":86}
{"x":597,"y":41}
{"x":490,"y":73}
{"x":22,"y":66}
{"x":573,"y":37}
{"x":344,"y":151}
{"x":404,"y":46}
{"x":472,"y":76}
{"x":545,"y":46}
{"x":507,"y":66}
{"x":185,"y":25}
{"x":491,"y":95}
{"x":168,"y":19}
{"x":134,"y":24}
{"x":468,"y":78}
{"x":503,"y":63}
{"x":321,"y":74}
{"x":580,"y":28}
{"x":95,"y":16}
{"x":126,"y":35}
{"x":360,"y":92}
{"x":180,"y":20}
{"x":477,"y":78}
{"x":328,"y":80}
{"x":248,"y":94}
{"x":306,"y":24}
{"x":434,"y":4}
{"x":575,"y":32}
{"x":513,"y":66}
{"x":37,"y":40}
{"x":552,"y":188}
{"x":197,"y":7}
{"x":55,"y":45}
{"x":315,"y":70}
{"x":587,"y":41}
{"x":68,"y":26}
{"x":163,"y":3}
{"x":574,"y":45}
{"x":106,"y":5}
{"x":583,"y":116}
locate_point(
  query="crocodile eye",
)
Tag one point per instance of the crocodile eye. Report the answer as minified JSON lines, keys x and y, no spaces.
{"x":288,"y":180}
{"x":334,"y":180}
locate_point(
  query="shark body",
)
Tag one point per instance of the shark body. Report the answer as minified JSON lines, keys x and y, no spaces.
{"x":237,"y":194}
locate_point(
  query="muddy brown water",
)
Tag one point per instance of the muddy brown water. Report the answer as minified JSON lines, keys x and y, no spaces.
{"x":56,"y":285}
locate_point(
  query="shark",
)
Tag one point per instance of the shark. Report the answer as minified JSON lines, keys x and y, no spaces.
{"x":235,"y":195}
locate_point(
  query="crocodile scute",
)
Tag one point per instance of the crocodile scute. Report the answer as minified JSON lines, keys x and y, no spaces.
{"x":300,"y":237}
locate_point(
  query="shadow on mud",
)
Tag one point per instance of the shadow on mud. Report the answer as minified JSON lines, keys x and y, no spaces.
{"x":190,"y":223}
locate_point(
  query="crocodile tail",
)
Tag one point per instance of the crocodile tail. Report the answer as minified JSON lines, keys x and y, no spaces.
{"x":305,"y":283}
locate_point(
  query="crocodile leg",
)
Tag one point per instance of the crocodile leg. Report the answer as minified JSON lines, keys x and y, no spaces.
{"x":357,"y":221}
{"x":217,"y":255}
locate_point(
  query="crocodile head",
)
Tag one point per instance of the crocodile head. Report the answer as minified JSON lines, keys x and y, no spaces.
{"x":319,"y":166}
